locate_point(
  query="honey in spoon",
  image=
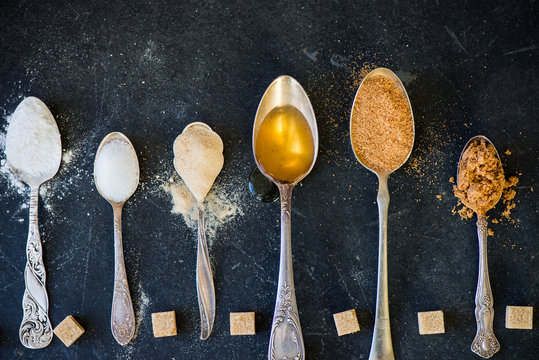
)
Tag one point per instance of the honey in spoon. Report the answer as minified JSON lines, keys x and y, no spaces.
{"x":284,"y":144}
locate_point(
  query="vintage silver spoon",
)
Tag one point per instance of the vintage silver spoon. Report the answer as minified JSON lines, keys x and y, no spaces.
{"x":286,"y":339}
{"x":210,"y":167}
{"x":485,"y":343}
{"x":35,"y":330}
{"x":122,"y":318}
{"x":382,"y":347}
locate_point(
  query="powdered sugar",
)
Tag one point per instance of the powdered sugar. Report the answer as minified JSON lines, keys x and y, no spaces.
{"x":32,"y":143}
{"x":222,"y":205}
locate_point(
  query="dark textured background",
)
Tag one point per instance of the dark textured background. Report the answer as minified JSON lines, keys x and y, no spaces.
{"x":148,"y":68}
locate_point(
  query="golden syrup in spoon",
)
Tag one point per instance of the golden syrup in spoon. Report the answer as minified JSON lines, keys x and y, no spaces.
{"x":284,"y":145}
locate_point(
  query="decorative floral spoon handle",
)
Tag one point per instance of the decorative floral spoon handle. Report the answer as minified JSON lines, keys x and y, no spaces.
{"x":286,"y":340}
{"x":205,"y":287}
{"x":485,"y":343}
{"x":122,"y":318}
{"x":36,"y":330}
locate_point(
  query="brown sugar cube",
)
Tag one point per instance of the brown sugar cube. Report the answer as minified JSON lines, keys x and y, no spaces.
{"x":68,"y":330}
{"x":164,"y":324}
{"x":346,"y":322}
{"x":242,"y":323}
{"x":431,"y":322}
{"x":519,"y":317}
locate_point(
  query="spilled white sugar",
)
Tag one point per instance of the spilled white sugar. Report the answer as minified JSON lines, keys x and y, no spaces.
{"x":32,"y":143}
{"x":13,"y":182}
{"x":116,"y":171}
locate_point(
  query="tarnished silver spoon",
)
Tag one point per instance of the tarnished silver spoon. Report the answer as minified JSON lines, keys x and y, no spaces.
{"x":286,"y":340}
{"x":198,"y":159}
{"x":34,"y":153}
{"x":485,"y":343}
{"x":382,"y":346}
{"x":122,"y":318}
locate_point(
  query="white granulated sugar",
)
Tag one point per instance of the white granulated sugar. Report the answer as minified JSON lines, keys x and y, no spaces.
{"x":116,"y":171}
{"x":67,"y":157}
{"x":33,"y":144}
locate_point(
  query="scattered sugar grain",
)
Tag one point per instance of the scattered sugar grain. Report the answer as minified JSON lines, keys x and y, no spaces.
{"x":222,"y":205}
{"x":67,"y":157}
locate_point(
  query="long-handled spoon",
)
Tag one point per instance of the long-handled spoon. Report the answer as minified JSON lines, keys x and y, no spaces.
{"x":381,"y":347}
{"x":286,"y":340}
{"x":210,"y":150}
{"x":111,"y":175}
{"x":36,"y":330}
{"x":485,"y":343}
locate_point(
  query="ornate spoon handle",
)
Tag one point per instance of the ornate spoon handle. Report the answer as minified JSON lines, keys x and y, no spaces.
{"x":122,"y":318}
{"x":205,"y":288}
{"x":286,"y":340}
{"x":382,"y":346}
{"x":485,"y":343}
{"x":36,"y":330}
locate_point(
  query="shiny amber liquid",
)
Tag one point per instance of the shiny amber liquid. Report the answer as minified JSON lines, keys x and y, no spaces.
{"x":284,"y":145}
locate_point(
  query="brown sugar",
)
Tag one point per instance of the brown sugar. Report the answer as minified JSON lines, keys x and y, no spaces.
{"x":382,"y":128}
{"x":508,"y":198}
{"x":480,"y":179}
{"x":164,"y":324}
{"x":519,"y":317}
{"x":465,"y":213}
{"x":242,"y":323}
{"x":346,"y":322}
{"x":431,"y":322}
{"x":68,"y":330}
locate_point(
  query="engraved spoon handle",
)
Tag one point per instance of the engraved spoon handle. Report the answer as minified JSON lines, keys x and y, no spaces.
{"x":286,"y":340}
{"x":36,"y":330}
{"x":381,"y":346}
{"x":122,"y":318}
{"x":205,"y":287}
{"x":485,"y":343}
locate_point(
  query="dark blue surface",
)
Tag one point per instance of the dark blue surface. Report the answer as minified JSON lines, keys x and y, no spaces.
{"x":148,"y":68}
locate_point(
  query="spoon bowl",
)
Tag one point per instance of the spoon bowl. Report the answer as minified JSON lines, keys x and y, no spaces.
{"x":285,"y":90}
{"x":381,"y":346}
{"x":286,"y":339}
{"x":398,"y":83}
{"x":116,"y":136}
{"x":122,"y":314}
{"x":460,"y":165}
{"x":53,"y":146}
